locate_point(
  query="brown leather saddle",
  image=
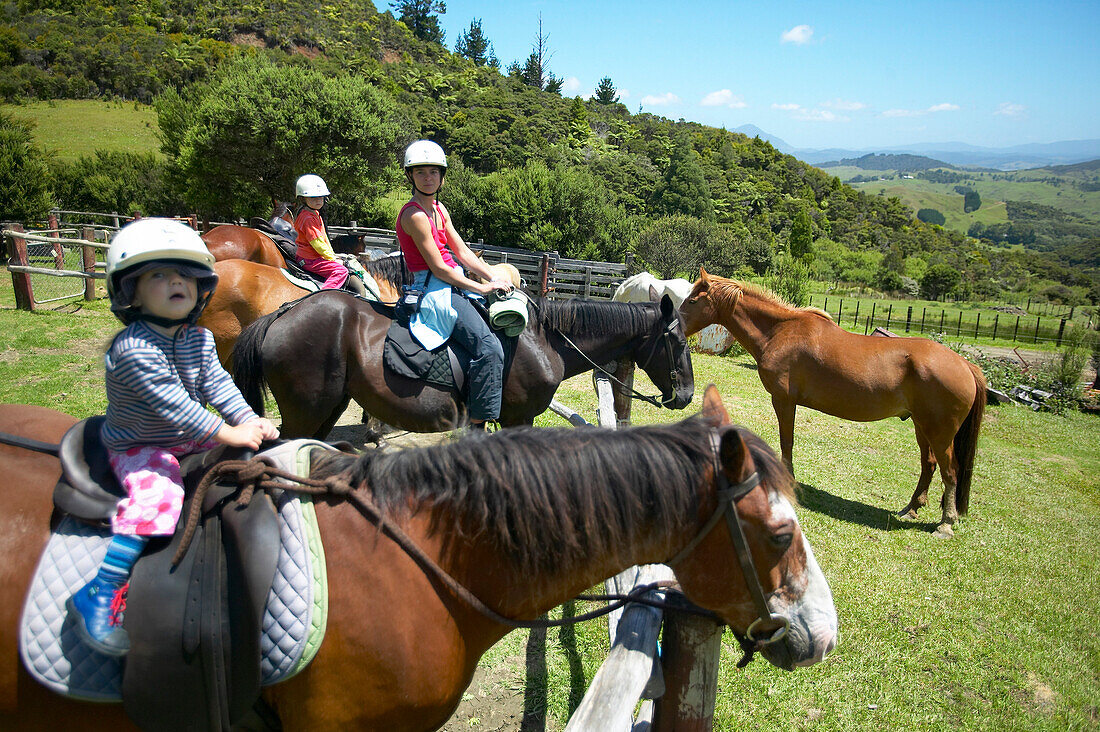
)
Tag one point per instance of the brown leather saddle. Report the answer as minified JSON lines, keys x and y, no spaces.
{"x":195,"y":628}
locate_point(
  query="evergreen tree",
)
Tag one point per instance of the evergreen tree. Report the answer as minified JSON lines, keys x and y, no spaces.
{"x":536,"y":70}
{"x":474,"y":46}
{"x":683,"y":188}
{"x":801,"y":239}
{"x":419,"y":16}
{"x":606,"y":93}
{"x":579,"y":130}
{"x":24,"y":174}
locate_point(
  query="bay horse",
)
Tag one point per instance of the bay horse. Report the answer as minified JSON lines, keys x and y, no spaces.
{"x":804,"y":358}
{"x":522,"y":519}
{"x":248,"y":290}
{"x":318,"y":355}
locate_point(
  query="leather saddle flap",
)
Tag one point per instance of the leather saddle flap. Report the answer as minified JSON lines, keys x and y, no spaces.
{"x":195,"y":629}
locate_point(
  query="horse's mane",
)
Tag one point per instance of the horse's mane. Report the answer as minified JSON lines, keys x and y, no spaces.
{"x":595,"y":316}
{"x":391,"y":269}
{"x":724,"y":291}
{"x":552,"y":498}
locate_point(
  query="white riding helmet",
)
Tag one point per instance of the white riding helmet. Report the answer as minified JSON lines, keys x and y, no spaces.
{"x":311,"y":186}
{"x":425,"y":152}
{"x":150,"y":243}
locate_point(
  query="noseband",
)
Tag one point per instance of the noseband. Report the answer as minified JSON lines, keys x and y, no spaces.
{"x":673,"y":374}
{"x":728,"y":496}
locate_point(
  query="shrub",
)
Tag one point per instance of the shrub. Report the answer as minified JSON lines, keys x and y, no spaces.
{"x":790,"y":279}
{"x":24,"y":175}
{"x":931,"y":216}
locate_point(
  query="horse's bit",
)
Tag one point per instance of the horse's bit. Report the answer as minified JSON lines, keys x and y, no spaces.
{"x":674,"y":377}
{"x":728,"y":496}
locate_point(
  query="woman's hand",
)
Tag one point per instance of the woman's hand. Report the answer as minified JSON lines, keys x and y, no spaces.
{"x":502,"y":287}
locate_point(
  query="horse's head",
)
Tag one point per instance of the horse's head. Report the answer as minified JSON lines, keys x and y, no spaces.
{"x":792,"y":591}
{"x":666,"y":358}
{"x":700,"y":309}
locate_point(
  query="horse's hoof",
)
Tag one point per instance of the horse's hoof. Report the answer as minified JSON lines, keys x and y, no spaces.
{"x":944,"y":531}
{"x":908,"y":513}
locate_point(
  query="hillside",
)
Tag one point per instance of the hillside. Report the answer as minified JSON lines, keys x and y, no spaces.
{"x":884,"y":161}
{"x":530,"y":168}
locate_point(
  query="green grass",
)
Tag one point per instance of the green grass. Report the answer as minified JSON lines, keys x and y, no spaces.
{"x":996,"y":629}
{"x":71,"y":128}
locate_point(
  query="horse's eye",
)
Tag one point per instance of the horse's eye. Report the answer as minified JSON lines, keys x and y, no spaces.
{"x":782,"y":541}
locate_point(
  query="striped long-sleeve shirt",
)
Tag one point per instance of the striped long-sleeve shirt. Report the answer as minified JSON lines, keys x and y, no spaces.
{"x":158,"y":388}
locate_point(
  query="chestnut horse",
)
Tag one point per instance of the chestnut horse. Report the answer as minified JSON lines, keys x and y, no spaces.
{"x":326,"y":350}
{"x":230,"y":241}
{"x":523,"y":519}
{"x":248,"y":290}
{"x":803,"y":357}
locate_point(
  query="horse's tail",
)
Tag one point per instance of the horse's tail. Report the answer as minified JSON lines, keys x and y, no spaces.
{"x":248,"y":361}
{"x":966,"y":441}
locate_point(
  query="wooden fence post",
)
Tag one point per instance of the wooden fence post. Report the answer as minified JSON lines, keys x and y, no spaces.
{"x":1035,"y":338}
{"x":855,"y":319}
{"x":87,"y":256}
{"x":996,"y":319}
{"x":977,"y":324}
{"x":690,"y":650}
{"x":544,"y":275}
{"x":21,"y":281}
{"x":587,"y":282}
{"x":908,"y":318}
{"x":959,"y":325}
{"x":1016,"y":330}
{"x":923,"y":312}
{"x":1061,"y":330}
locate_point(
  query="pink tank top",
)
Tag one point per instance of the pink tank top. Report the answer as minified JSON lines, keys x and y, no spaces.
{"x":413,"y":259}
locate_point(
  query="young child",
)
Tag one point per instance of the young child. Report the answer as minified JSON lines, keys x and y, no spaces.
{"x":315,"y":252}
{"x":162,"y":371}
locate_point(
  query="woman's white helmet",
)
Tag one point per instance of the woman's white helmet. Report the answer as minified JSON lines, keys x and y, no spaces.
{"x":425,"y":152}
{"x":150,"y":243}
{"x":311,"y":186}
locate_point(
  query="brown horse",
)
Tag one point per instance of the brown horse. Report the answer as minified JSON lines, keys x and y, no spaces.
{"x":247,"y":291}
{"x":524,"y":519}
{"x":230,"y":241}
{"x":803,"y":357}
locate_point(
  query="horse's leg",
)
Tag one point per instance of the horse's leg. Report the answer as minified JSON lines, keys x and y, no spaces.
{"x":941,"y":443}
{"x":784,"y":412}
{"x":927,"y":470}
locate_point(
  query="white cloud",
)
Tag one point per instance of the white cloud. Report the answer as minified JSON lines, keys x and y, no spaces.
{"x":571,"y":85}
{"x":805,"y":114}
{"x":799,"y":35}
{"x":649,"y":100}
{"x":787,"y":107}
{"x":1008,"y":109}
{"x":844,"y":105}
{"x":724,"y":98}
{"x":944,"y":107}
{"x":624,"y":94}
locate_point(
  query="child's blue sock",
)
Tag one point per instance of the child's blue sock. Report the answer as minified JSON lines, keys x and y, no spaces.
{"x":122,"y":554}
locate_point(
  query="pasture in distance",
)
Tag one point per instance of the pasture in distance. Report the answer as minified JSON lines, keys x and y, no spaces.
{"x":998,"y":628}
{"x":71,"y":128}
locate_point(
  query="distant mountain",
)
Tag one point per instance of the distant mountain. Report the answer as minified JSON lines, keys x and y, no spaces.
{"x":961,"y":154}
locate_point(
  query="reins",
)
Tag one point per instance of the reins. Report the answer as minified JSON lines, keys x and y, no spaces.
{"x":260,"y":474}
{"x":48,"y":448}
{"x":657,"y":401}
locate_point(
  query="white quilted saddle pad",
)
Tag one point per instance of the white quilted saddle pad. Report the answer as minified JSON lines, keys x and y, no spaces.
{"x":294,"y":619}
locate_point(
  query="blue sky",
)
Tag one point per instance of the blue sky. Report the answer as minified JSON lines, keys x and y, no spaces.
{"x":853,"y":75}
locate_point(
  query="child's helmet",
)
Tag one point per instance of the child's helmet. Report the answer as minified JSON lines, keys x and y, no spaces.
{"x":311,"y":186}
{"x":150,"y":243}
{"x":425,"y":152}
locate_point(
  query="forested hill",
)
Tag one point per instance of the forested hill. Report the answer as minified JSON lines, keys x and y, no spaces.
{"x":882,"y":161}
{"x":531,"y":168}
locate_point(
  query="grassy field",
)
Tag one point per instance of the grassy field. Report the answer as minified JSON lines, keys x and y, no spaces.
{"x":996,"y":629}
{"x":74,"y":127}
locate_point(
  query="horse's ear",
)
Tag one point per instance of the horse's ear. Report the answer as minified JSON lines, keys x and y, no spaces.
{"x":653,"y":296}
{"x":733,"y":452}
{"x":703,"y":274}
{"x":714,"y":411}
{"x":668,"y":309}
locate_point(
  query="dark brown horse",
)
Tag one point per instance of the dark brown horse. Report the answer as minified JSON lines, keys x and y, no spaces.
{"x":524,"y":519}
{"x":248,"y":290}
{"x":327,"y":350}
{"x":803,"y":357}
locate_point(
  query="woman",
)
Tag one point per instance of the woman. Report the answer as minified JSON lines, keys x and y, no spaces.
{"x":436,"y":254}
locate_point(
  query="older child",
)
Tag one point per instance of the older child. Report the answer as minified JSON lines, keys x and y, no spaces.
{"x":315,"y":252}
{"x":162,"y":371}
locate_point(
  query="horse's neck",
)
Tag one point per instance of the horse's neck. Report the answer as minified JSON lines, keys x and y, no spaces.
{"x":601,"y":348}
{"x":753,"y":321}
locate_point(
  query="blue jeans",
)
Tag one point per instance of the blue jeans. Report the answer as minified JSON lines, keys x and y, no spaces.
{"x":487,"y":360}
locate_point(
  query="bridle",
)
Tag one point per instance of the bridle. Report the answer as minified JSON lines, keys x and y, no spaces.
{"x":673,"y":376}
{"x":728,"y":496}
